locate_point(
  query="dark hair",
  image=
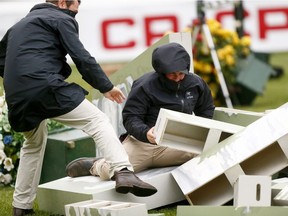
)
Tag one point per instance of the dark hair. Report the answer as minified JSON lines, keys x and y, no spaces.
{"x":52,"y":1}
{"x":68,"y":2}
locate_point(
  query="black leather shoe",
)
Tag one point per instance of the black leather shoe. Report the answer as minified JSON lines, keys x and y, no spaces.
{"x":22,"y":212}
{"x":80,"y":166}
{"x":127,"y":181}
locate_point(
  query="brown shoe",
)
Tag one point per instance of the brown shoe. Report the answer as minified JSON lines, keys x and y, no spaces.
{"x":127,"y":181}
{"x":22,"y":212}
{"x":80,"y":166}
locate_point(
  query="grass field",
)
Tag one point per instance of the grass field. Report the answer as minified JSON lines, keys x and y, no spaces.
{"x":275,"y":94}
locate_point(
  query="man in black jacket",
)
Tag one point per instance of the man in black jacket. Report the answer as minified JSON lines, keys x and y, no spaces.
{"x":170,"y":86}
{"x":34,"y":69}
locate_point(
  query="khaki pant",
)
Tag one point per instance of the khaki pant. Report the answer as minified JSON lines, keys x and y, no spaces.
{"x":143,"y":156}
{"x":86,"y":117}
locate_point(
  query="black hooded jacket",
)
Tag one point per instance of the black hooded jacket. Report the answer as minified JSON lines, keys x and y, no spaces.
{"x":32,"y":58}
{"x":153,"y":91}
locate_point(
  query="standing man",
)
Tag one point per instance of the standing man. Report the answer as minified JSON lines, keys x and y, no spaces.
{"x":170,"y":86}
{"x":34,"y":69}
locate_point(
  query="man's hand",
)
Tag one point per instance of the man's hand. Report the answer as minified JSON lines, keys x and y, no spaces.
{"x":115,"y":94}
{"x":151,"y":137}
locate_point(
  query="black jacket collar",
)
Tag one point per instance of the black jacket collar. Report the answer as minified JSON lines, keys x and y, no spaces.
{"x":52,"y":6}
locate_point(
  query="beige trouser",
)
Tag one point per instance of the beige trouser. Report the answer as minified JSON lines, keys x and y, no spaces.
{"x":86,"y":117}
{"x":145,"y":155}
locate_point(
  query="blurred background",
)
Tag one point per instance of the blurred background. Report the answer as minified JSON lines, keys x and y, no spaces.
{"x":249,"y":38}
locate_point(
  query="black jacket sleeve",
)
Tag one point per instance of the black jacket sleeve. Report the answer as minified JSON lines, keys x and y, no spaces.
{"x":90,"y":70}
{"x":135,"y":111}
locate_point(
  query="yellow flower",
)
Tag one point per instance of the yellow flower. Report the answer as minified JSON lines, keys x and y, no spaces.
{"x":245,"y":41}
{"x":229,"y":59}
{"x":214,"y":87}
{"x":205,"y":50}
{"x":229,"y":47}
{"x":235,"y":38}
{"x":229,"y":50}
{"x":206,"y":78}
{"x":213,"y":25}
{"x":225,"y":34}
{"x":197,"y":65}
{"x":245,"y":51}
{"x":220,"y":54}
{"x":207,"y":68}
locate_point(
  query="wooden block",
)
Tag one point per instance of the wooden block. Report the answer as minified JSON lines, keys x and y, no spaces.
{"x":252,"y":190}
{"x":278,"y":185}
{"x":73,"y":208}
{"x":233,"y":173}
{"x":125,"y":209}
{"x":68,"y":190}
{"x":283,"y":144}
{"x":189,"y":132}
{"x":213,"y":137}
{"x":104,"y":208}
{"x":281,"y":199}
{"x":236,"y":116}
{"x":255,"y":149}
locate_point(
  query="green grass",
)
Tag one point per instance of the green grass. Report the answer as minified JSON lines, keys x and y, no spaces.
{"x":5,"y":200}
{"x":6,"y":194}
{"x":275,"y":94}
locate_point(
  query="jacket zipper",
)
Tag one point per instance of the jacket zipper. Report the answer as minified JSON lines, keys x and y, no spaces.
{"x":177,"y":96}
